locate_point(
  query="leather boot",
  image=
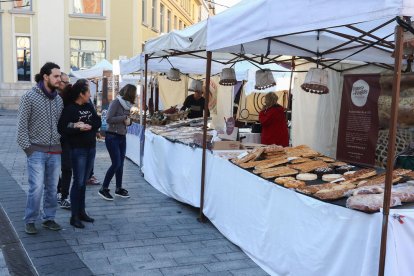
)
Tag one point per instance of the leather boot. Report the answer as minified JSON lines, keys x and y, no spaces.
{"x":76,"y":222}
{"x":84,"y":217}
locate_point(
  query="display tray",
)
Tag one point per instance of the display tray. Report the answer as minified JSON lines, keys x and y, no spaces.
{"x":342,"y":201}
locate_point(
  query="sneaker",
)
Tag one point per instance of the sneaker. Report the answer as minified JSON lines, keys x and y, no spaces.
{"x":52,"y":225}
{"x":64,"y":203}
{"x":104,"y":193}
{"x":93,"y":181}
{"x":30,"y":229}
{"x":122,"y":193}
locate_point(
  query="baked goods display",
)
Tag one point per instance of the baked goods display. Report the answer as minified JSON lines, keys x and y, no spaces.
{"x":300,"y":167}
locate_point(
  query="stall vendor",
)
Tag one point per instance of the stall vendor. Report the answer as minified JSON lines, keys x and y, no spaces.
{"x":273,"y":120}
{"x":195,"y":103}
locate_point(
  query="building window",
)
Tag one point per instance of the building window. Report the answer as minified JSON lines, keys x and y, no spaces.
{"x":144,"y":11}
{"x":162,"y":18}
{"x":22,"y":4}
{"x":86,"y":53}
{"x":175,"y":22}
{"x":180,"y":25}
{"x":154,"y":14}
{"x":23,"y":58}
{"x":89,"y":7}
{"x":168,"y":21}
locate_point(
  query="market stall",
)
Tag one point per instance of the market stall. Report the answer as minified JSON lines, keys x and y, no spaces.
{"x":313,"y":37}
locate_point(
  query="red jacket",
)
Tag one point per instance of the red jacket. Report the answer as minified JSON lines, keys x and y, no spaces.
{"x":274,"y":126}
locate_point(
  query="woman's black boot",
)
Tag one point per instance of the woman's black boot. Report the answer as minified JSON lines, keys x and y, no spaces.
{"x":84,"y":217}
{"x":76,"y":222}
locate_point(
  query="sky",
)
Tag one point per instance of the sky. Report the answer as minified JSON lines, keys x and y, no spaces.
{"x":228,"y":3}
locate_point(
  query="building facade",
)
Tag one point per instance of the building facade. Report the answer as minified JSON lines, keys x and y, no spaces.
{"x":77,"y":34}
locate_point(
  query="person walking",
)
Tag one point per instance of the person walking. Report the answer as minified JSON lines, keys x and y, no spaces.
{"x":38,"y":116}
{"x":66,"y":165}
{"x":117,"y":119}
{"x":79,"y":123}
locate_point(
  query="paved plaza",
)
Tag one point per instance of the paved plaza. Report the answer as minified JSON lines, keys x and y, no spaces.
{"x":148,"y":234}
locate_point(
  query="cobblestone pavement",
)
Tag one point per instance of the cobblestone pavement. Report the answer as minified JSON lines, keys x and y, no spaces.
{"x":148,"y":234}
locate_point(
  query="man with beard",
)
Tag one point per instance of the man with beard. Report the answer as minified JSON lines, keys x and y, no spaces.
{"x":39,"y":112}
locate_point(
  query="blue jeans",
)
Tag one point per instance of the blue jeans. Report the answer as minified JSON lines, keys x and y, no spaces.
{"x":43,"y":174}
{"x":82,"y":164}
{"x":116,"y":146}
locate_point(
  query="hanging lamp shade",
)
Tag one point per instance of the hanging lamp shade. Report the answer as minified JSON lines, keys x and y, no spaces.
{"x":228,"y":77}
{"x":316,"y":81}
{"x":196,"y":85}
{"x":264,"y":79}
{"x":174,"y":74}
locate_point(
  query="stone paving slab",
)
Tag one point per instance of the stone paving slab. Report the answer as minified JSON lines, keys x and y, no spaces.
{"x":147,"y":234}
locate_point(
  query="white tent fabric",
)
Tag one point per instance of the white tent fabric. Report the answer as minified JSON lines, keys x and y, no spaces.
{"x":94,"y":72}
{"x":249,"y":23}
{"x":192,"y":38}
{"x":185,"y":65}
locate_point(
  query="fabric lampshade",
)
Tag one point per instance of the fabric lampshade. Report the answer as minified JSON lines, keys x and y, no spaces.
{"x":196,"y":85}
{"x":228,"y":77}
{"x":264,"y":79}
{"x":316,"y":81}
{"x":174,"y":74}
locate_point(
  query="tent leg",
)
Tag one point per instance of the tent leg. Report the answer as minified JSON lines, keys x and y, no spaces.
{"x":203,"y":164}
{"x":391,"y":147}
{"x":144,"y":119}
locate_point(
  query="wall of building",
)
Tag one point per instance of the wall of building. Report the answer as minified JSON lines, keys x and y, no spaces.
{"x":51,"y":24}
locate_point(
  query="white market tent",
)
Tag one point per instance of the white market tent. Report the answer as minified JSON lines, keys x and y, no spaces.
{"x":163,"y":65}
{"x":323,"y":32}
{"x":93,"y":72}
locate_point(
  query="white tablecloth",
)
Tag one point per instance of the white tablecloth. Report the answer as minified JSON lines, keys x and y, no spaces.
{"x":173,"y":168}
{"x":284,"y":232}
{"x":133,"y":149}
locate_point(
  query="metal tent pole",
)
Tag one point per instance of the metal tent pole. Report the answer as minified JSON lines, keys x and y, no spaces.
{"x":203,"y":163}
{"x":144,"y":119}
{"x":391,"y":146}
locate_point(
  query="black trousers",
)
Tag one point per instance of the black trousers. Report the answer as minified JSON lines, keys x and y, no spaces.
{"x":66,"y":168}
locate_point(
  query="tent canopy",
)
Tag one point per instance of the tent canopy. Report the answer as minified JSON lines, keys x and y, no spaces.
{"x":316,"y":29}
{"x":162,"y":65}
{"x":93,"y":72}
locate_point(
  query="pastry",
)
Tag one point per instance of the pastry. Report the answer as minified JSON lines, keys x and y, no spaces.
{"x":370,"y":203}
{"x":279,"y":171}
{"x":331,"y":177}
{"x":276,"y":162}
{"x":311,"y":189}
{"x":325,"y":159}
{"x":344,"y":169}
{"x":282,"y":180}
{"x":335,"y":192}
{"x":323,"y":170}
{"x":306,"y":176}
{"x":404,"y":192}
{"x":298,"y":160}
{"x":308,"y":166}
{"x":294,"y":184}
{"x":338,"y":164}
{"x":359,"y":175}
{"x":378,"y":180}
{"x":252,"y":164}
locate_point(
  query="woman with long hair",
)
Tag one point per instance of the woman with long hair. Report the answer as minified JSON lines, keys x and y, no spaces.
{"x":117,"y":120}
{"x":273,"y":120}
{"x":79,"y":123}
